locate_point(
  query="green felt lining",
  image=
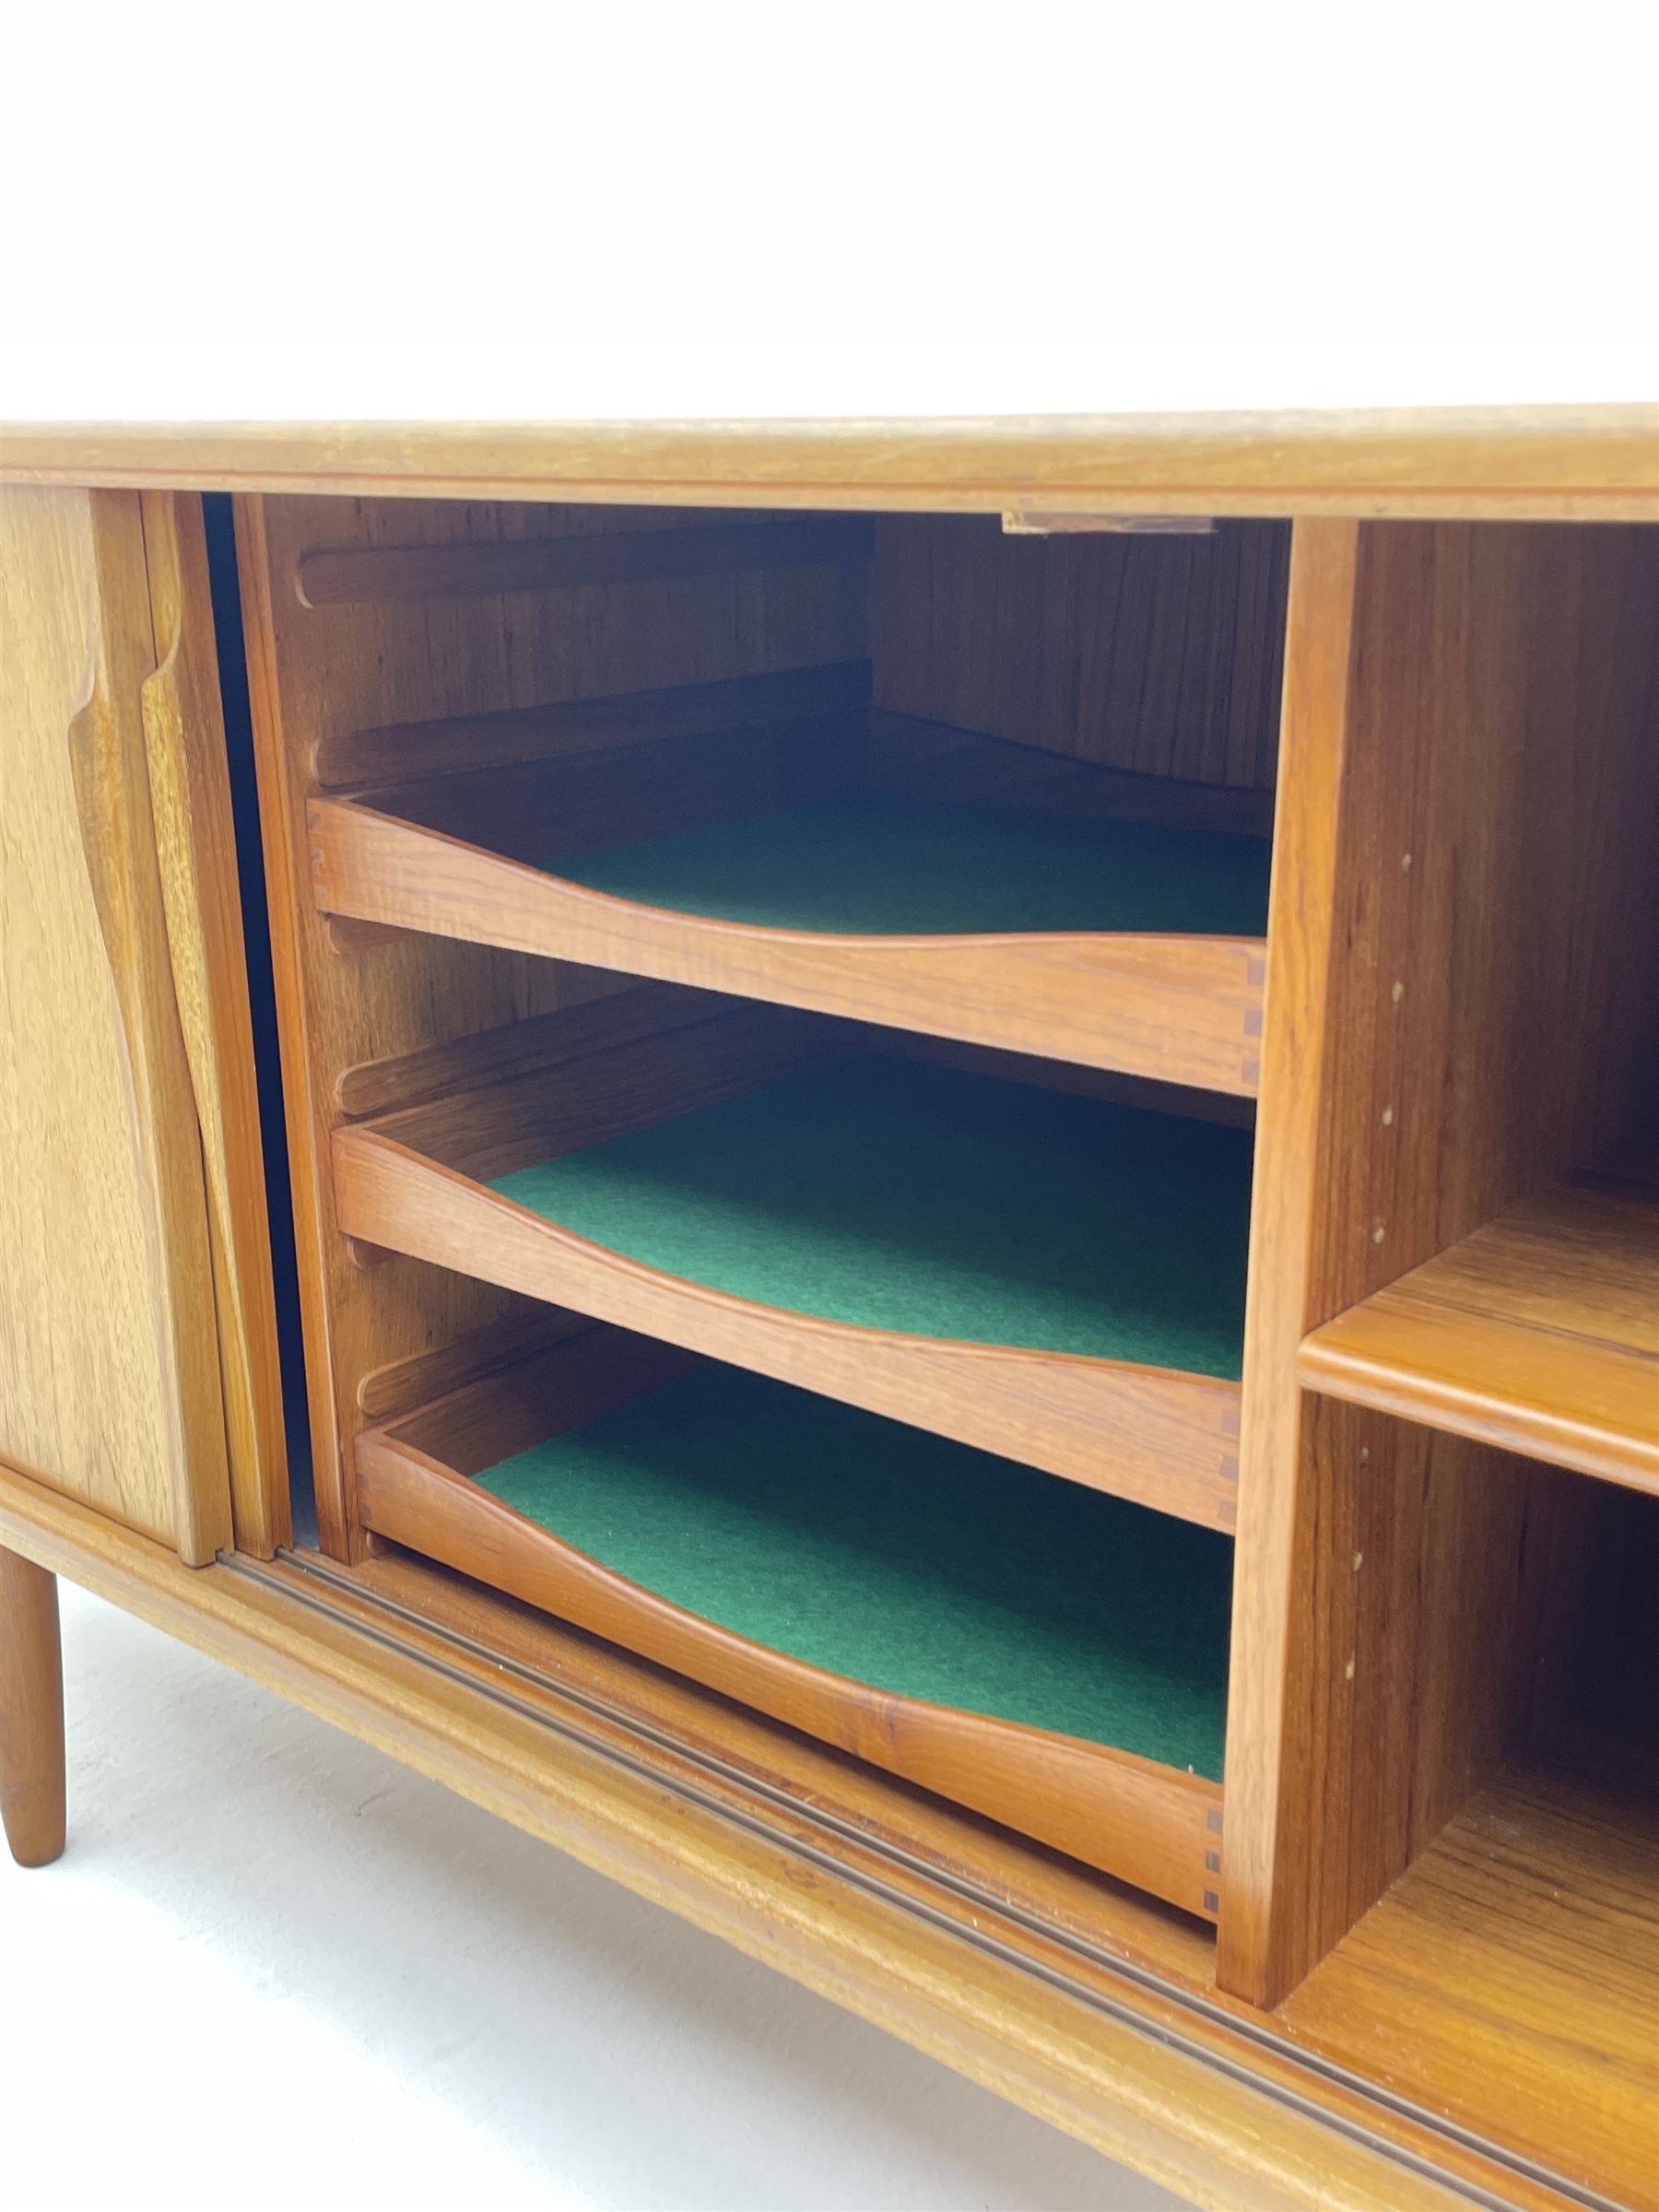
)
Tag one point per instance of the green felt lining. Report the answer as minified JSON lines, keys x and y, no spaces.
{"x":901,"y":1561}
{"x":900,"y":867}
{"x":902,"y":1196}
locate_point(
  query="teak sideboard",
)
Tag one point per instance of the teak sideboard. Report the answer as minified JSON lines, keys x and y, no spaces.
{"x":906,"y":1177}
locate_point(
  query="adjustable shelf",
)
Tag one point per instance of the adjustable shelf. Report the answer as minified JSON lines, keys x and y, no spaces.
{"x":753,"y":836}
{"x":1047,"y":1656}
{"x":1051,"y":1278}
{"x":1539,"y":1333}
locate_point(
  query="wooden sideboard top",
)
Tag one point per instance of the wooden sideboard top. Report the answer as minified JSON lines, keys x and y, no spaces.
{"x":1566,"y":463}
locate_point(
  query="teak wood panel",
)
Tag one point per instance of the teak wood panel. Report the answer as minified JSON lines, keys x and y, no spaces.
{"x":1588,"y":463}
{"x":1147,"y":1824}
{"x":1183,"y":1010}
{"x":1158,"y":654}
{"x":110,"y":1376}
{"x":1540,"y":1332}
{"x":1461,"y":964}
{"x":320,"y":676}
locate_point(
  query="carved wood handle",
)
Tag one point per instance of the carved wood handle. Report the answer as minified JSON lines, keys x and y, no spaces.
{"x":195,"y":847}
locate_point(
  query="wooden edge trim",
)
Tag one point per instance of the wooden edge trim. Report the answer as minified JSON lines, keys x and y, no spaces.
{"x":1145,"y":1823}
{"x":1265,"y":1943}
{"x":1180,"y":1010}
{"x":1115,"y":2075}
{"x":1327,"y":1363}
{"x":1542,"y":461}
{"x":1152,"y":1435}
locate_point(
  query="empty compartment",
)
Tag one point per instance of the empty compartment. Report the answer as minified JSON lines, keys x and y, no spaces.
{"x":1523,"y":1942}
{"x":1046,"y":1655}
{"x":1054,"y":1276}
{"x":1031,"y":813}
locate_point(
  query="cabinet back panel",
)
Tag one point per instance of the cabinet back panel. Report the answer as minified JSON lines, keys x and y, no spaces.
{"x":1158,"y":654}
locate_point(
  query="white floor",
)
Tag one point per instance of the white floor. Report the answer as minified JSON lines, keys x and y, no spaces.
{"x":276,"y":1970}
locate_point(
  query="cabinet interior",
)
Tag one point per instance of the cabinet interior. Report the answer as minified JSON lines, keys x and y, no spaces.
{"x":801,"y":980}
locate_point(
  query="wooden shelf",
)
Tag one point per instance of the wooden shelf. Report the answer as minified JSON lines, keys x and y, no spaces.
{"x":1103,"y":919}
{"x":700,"y":1517}
{"x":1539,"y":1333}
{"x":1056,"y":1279}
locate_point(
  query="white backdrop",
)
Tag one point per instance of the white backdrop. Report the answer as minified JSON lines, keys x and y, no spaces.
{"x":535,"y":208}
{"x":276,"y":1972}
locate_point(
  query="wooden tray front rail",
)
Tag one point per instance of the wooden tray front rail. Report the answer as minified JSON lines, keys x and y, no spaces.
{"x":415,"y":1181}
{"x":458,"y":853}
{"x":1147,"y":1824}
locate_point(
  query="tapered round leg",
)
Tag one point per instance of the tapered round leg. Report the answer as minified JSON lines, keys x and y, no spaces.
{"x":32,"y":1711}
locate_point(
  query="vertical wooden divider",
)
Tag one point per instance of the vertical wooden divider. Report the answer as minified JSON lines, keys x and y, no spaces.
{"x":1269,"y":1741}
{"x":1462,"y":938}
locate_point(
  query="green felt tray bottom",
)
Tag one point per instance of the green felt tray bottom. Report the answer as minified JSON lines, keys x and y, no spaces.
{"x":899,"y":1560}
{"x":897,"y":867}
{"x":896,"y":1196}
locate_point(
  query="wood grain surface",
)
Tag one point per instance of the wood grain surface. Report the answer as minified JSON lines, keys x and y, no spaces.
{"x":1555,"y":463}
{"x":1463,"y":958}
{"x":32,"y":1711}
{"x":1511,"y":1980}
{"x":1160,"y":656}
{"x":109,"y":1377}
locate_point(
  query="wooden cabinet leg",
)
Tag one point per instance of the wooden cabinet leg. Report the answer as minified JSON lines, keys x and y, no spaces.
{"x":32,"y":1711}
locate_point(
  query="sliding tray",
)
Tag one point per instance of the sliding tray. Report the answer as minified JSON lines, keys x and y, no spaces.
{"x":1050,"y":1658}
{"x":1054,"y":1278}
{"x":756,"y":847}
